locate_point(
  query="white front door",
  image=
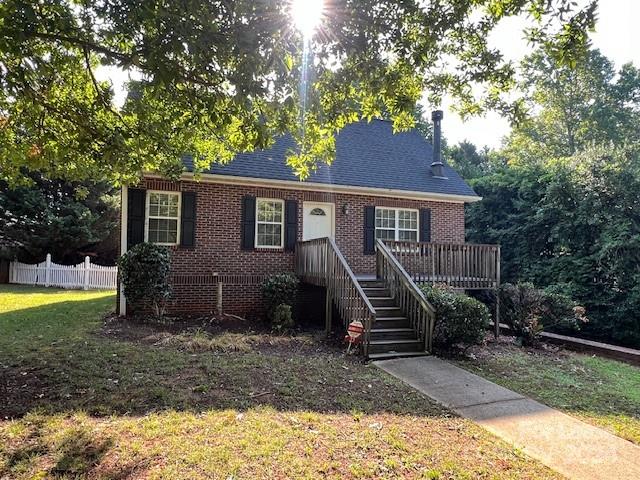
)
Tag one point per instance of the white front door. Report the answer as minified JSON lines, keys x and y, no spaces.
{"x":318,"y":220}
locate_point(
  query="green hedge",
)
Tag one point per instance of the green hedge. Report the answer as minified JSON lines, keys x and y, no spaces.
{"x":460,"y":319}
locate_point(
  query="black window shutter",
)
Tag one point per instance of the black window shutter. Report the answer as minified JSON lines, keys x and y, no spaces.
{"x":369,"y":230}
{"x":248,"y":227}
{"x":291,"y":224}
{"x":188,"y":220}
{"x":425,"y":225}
{"x":135,"y":216}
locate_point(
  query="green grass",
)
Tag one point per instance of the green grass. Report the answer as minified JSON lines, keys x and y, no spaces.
{"x":85,"y":397}
{"x":603,"y":392}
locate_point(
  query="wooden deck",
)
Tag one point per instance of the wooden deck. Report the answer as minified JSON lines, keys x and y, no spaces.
{"x":465,"y":266}
{"x":389,"y":303}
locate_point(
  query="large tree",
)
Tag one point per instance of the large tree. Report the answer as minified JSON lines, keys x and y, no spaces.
{"x":565,"y":204}
{"x":68,"y":220}
{"x":218,"y":77}
{"x":588,"y":104}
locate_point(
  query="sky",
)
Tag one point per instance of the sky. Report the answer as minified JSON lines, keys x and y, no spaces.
{"x":617,"y":35}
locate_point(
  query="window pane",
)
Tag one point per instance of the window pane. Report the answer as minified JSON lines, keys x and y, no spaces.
{"x":269,"y":211}
{"x":410,"y":235}
{"x":153,"y":236}
{"x":269,"y":235}
{"x":385,"y":218}
{"x":277,"y":211}
{"x":385,"y":234}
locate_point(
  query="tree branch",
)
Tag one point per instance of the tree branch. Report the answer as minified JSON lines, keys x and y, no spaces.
{"x":123,"y":57}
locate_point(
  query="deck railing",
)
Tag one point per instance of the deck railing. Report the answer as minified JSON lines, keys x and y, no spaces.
{"x":460,"y":265}
{"x":319,"y":262}
{"x":421,"y":314}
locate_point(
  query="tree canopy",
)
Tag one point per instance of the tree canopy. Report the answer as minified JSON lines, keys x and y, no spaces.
{"x":563,"y":195}
{"x":68,"y":220}
{"x":589,"y":104}
{"x":220,"y":77}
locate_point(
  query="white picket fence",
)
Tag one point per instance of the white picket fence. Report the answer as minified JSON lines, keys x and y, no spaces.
{"x":84,"y":275}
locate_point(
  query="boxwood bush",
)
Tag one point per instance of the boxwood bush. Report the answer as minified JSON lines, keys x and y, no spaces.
{"x":144,"y":273}
{"x":460,"y":319}
{"x":278,"y":292}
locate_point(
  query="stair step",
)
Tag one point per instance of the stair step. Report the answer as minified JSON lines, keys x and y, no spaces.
{"x":385,"y":356}
{"x":371,"y":284}
{"x":376,"y":292}
{"x":396,"y":333}
{"x":382,"y":301}
{"x":391,"y":322}
{"x":391,"y":311}
{"x":395,"y":345}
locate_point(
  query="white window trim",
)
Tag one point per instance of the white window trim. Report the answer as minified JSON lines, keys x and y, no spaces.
{"x":146,"y":216}
{"x":281,"y":223}
{"x":397,"y":228}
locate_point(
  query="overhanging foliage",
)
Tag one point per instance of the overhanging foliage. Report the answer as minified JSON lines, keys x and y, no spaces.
{"x":220,"y":77}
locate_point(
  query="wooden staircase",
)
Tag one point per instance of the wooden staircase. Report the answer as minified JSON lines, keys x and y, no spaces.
{"x":398,"y":320}
{"x":391,"y":334}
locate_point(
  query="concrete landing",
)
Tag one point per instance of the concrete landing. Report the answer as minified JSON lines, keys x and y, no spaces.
{"x":571,"y":447}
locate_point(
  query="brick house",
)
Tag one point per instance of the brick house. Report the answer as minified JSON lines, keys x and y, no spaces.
{"x":240,"y":222}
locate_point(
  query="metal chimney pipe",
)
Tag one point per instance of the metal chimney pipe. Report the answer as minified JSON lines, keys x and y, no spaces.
{"x":437,"y":167}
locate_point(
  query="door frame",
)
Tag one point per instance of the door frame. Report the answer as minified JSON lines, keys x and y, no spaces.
{"x":332,"y":208}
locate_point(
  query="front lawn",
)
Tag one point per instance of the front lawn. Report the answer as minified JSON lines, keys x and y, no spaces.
{"x":81,"y":397}
{"x":603,"y":392}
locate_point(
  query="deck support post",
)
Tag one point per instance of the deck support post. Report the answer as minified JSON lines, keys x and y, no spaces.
{"x":496,"y":320}
{"x":328,"y":313}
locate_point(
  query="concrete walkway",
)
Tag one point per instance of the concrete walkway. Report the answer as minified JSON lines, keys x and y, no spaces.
{"x":563,"y":443}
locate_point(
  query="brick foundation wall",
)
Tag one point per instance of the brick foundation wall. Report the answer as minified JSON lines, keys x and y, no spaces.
{"x":217,"y":255}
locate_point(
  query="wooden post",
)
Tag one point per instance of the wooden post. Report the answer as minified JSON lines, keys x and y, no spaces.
{"x":328,"y":312}
{"x":219,"y":298}
{"x":87,"y":267}
{"x":497,"y":319}
{"x":47,"y":271}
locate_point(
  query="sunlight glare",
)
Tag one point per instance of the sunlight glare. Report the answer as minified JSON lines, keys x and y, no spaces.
{"x":306,"y":15}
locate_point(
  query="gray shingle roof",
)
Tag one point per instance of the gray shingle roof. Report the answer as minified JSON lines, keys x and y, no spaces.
{"x":367,"y":155}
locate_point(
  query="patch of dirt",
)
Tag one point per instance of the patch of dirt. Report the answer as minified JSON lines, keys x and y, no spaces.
{"x":223,"y":334}
{"x":492,"y":348}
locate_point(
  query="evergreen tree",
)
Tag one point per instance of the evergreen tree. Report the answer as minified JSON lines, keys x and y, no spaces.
{"x":65,"y":219}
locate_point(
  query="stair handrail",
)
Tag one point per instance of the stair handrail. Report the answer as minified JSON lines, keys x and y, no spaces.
{"x":328,"y":267}
{"x":421,"y":314}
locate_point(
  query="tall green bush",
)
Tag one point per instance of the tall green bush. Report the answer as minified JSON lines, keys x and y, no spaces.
{"x":572,"y":223}
{"x":144,"y":273}
{"x":460,"y":320}
{"x":279,"y":292}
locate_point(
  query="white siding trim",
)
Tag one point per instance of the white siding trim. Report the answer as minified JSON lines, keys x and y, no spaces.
{"x":323,"y":187}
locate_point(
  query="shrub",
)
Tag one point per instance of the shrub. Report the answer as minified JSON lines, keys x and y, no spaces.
{"x":282,"y":317}
{"x":278,"y":290}
{"x":144,"y":273}
{"x":459,"y":319}
{"x":527,"y":310}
